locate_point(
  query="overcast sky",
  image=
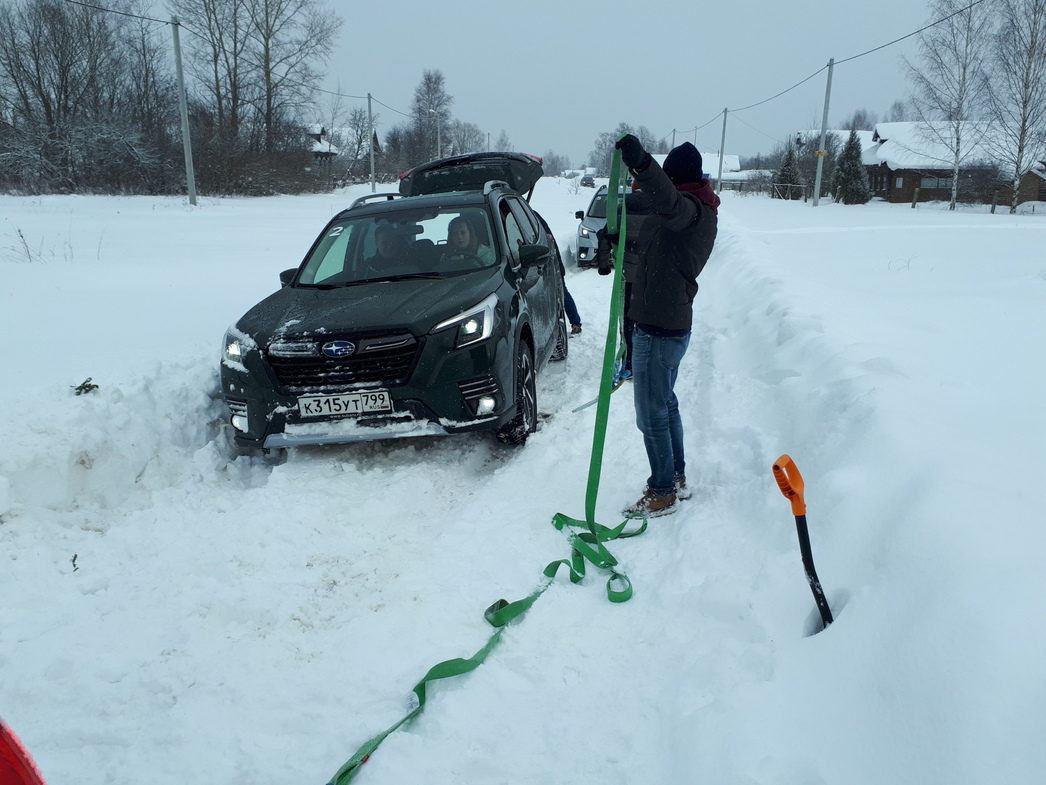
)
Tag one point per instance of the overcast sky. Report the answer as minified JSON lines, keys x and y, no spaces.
{"x":554,"y":74}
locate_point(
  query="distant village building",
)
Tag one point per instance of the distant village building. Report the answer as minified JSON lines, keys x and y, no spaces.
{"x":322,"y":149}
{"x":909,"y":162}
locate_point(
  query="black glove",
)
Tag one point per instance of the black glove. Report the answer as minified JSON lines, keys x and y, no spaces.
{"x":632,"y":153}
{"x":605,"y":251}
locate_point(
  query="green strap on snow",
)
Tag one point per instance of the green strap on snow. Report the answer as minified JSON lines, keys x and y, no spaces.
{"x":586,"y":544}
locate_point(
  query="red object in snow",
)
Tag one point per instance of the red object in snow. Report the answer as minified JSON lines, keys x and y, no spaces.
{"x":16,"y":767}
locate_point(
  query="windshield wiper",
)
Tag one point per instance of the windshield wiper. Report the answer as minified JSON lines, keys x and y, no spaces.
{"x":380,"y":279}
{"x":400,"y":277}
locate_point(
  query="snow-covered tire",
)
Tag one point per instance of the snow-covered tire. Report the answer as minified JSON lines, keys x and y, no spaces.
{"x":559,"y":353}
{"x":516,"y":430}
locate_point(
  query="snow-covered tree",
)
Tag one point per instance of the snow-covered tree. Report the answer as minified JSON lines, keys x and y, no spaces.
{"x":788,"y":180}
{"x":851,"y":178}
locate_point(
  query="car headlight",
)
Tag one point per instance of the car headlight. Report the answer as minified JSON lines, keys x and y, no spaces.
{"x":235,"y":348}
{"x":473,"y":325}
{"x":584,"y":232}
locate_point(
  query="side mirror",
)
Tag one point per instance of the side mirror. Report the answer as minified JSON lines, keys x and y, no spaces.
{"x":534,"y":255}
{"x":287,"y":276}
{"x":579,"y":214}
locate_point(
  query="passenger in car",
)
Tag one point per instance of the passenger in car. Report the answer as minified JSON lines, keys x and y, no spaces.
{"x":462,"y":239}
{"x":392,"y":251}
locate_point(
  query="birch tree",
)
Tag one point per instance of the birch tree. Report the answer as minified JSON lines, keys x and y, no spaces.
{"x":1017,"y":87}
{"x":950,"y":84}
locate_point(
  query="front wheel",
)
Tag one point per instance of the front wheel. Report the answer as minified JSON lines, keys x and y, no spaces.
{"x":559,"y":353}
{"x":516,"y":430}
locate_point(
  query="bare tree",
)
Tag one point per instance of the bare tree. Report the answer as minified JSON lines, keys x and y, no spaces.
{"x":430,"y":111}
{"x":602,"y":154}
{"x":899,"y":112}
{"x":860,"y":120}
{"x":503,"y":143}
{"x":290,"y":40}
{"x":1017,"y":87}
{"x":950,"y":84}
{"x":466,"y":137}
{"x":218,"y":59}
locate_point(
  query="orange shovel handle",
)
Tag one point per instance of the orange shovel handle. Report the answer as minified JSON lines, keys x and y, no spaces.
{"x":790,"y":481}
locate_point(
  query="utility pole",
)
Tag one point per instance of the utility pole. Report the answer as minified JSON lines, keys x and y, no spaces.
{"x":183,"y":108}
{"x":370,"y":123}
{"x":673,"y":139}
{"x":822,"y":152}
{"x":722,"y":147}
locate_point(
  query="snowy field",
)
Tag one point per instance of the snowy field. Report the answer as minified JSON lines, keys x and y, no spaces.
{"x":172,"y":616}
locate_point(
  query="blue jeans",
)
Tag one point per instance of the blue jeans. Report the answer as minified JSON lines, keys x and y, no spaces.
{"x":568,"y":302}
{"x":655,"y":366}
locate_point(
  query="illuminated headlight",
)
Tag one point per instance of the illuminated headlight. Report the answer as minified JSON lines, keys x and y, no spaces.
{"x":585,"y":232}
{"x":235,"y":348}
{"x":473,"y":325}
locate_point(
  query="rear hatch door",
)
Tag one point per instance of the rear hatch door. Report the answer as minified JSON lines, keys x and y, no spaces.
{"x":470,"y":172}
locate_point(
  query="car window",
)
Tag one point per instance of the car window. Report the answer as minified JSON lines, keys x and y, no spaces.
{"x":513,"y":232}
{"x":598,"y":208}
{"x":527,"y":222}
{"x":397,"y":243}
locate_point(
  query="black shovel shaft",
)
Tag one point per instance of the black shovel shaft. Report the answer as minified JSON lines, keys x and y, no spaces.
{"x":811,"y":573}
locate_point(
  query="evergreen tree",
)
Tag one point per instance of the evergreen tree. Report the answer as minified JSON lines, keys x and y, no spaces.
{"x":851,"y":178}
{"x":789,"y":180}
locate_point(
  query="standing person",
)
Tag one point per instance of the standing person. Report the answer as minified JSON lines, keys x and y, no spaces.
{"x":670,"y":229}
{"x":572,"y":314}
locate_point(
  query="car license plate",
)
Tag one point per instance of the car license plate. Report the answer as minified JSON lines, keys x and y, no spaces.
{"x":346,"y":403}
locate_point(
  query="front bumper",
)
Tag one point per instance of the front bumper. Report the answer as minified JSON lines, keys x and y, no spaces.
{"x":442,"y":396}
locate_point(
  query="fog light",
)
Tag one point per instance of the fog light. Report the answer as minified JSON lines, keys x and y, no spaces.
{"x":239,"y":422}
{"x":485,"y":405}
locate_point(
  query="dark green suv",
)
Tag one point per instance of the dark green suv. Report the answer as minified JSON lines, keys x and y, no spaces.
{"x":430,"y":311}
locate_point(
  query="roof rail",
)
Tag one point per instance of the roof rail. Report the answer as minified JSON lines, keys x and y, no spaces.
{"x":373,"y":198}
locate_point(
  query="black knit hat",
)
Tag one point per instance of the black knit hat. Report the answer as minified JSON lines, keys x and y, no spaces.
{"x":683,"y":164}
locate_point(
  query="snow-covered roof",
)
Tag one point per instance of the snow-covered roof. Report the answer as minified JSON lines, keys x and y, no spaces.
{"x":325,"y":148}
{"x":923,"y":145}
{"x":710,"y":163}
{"x":746,"y":174}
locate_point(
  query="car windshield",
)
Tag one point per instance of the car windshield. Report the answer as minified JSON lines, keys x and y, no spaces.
{"x":401,"y":244}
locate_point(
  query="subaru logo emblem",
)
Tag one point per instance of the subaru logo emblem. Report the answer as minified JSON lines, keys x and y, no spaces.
{"x":338,"y":348}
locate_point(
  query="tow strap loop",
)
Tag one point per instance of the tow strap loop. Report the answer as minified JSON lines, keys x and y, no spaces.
{"x":586,"y":543}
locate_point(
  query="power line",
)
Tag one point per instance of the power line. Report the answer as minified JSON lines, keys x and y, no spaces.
{"x":903,"y":37}
{"x":121,"y":13}
{"x":854,"y":57}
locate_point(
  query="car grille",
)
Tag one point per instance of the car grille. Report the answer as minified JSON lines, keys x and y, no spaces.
{"x":377,"y":360}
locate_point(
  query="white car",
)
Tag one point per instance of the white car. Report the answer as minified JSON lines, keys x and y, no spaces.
{"x":592,"y":220}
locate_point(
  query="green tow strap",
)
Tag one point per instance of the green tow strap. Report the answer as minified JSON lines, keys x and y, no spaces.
{"x":586,"y":544}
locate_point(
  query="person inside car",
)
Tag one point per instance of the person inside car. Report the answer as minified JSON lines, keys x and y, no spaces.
{"x":463,"y":240}
{"x":392,"y":251}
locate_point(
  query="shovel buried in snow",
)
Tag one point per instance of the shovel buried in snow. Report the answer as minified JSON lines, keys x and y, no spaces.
{"x":790,"y":481}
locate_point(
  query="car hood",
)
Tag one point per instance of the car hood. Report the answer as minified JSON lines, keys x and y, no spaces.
{"x":416,"y":305}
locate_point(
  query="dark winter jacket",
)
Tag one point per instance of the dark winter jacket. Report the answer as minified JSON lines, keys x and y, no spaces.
{"x":669,"y":234}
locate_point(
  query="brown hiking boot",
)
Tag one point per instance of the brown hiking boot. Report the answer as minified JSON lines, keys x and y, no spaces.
{"x":682,"y":491}
{"x":652,"y":505}
{"x":575,"y":329}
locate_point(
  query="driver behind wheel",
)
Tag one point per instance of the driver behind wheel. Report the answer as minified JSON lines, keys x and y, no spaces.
{"x":463,"y":240}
